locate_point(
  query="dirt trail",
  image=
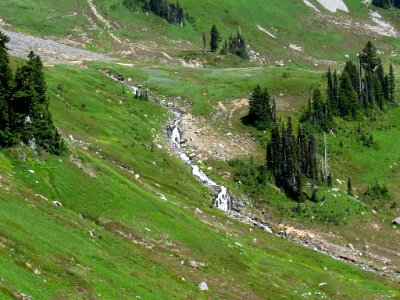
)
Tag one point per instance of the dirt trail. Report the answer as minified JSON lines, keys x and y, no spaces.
{"x":98,"y":15}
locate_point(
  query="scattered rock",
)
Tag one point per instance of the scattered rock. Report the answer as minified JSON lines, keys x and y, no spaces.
{"x":56,"y":203}
{"x":396,"y":221}
{"x":158,"y":194}
{"x":203,"y":286}
{"x":193,"y":264}
{"x":350,"y":246}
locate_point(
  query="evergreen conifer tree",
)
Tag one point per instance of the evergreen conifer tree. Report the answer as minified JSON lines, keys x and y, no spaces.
{"x":351,"y":69}
{"x":215,"y":39}
{"x":349,"y":187}
{"x":5,"y":91}
{"x":391,"y":84}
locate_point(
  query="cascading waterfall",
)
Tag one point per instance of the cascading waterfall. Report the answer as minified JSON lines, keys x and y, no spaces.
{"x":223,"y":201}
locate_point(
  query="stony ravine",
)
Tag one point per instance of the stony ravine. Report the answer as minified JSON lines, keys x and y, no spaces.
{"x":233,"y":208}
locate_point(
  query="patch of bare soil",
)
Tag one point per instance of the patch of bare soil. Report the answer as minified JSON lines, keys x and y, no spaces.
{"x":216,"y":138}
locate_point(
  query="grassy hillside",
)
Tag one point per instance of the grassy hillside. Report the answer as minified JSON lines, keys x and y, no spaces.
{"x":323,"y":36}
{"x":114,"y":230}
{"x":134,"y":223}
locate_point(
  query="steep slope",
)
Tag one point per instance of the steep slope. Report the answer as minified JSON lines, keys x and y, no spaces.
{"x":132,"y":216}
{"x":114,"y":229}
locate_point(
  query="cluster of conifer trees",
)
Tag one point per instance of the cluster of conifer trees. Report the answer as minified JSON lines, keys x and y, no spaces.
{"x":24,"y":114}
{"x":290,"y":157}
{"x":171,"y":12}
{"x":386,"y":3}
{"x":235,"y":44}
{"x":357,"y":91}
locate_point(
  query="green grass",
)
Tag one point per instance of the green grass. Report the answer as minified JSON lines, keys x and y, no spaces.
{"x":291,"y":21}
{"x":204,"y":88}
{"x":117,"y":208}
{"x":115,"y":136}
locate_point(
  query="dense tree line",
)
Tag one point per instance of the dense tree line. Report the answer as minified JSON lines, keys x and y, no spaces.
{"x":358,"y":90}
{"x":24,"y":114}
{"x":262,"y":109}
{"x":386,"y":3}
{"x":291,"y":157}
{"x":171,"y":12}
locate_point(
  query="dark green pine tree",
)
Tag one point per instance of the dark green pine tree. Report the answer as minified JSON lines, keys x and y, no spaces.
{"x":349,"y":103}
{"x":274,"y":151}
{"x":237,"y":45}
{"x":335,"y":102}
{"x":312,"y":161}
{"x":31,"y":118}
{"x":351,"y":69}
{"x":391,"y":86}
{"x":379,"y":92}
{"x":369,"y":91}
{"x":290,"y":176}
{"x":254,"y":105}
{"x":369,"y":59}
{"x":330,"y":90}
{"x":261,"y":112}
{"x":5,"y":91}
{"x":349,"y":187}
{"x":215,"y":39}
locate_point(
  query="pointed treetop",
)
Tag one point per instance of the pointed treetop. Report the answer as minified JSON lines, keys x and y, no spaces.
{"x":4,"y":39}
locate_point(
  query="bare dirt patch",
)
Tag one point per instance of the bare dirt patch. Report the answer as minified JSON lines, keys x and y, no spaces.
{"x":217,"y":138}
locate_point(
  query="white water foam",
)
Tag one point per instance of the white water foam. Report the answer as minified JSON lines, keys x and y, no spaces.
{"x":223,"y":200}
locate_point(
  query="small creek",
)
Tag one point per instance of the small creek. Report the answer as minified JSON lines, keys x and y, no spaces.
{"x":224,"y":200}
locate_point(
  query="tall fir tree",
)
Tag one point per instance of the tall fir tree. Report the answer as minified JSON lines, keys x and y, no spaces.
{"x":349,"y":103}
{"x":369,"y":59}
{"x":5,"y":91}
{"x":351,"y":69}
{"x":261,"y":112}
{"x":391,"y":84}
{"x":215,"y":39}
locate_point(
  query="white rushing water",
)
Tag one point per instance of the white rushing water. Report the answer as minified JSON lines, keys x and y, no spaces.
{"x":223,"y":200}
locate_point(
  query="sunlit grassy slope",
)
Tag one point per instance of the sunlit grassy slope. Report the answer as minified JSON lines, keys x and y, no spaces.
{"x":322,"y":35}
{"x":115,"y":238}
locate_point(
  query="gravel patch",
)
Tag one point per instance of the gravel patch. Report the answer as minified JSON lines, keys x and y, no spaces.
{"x":50,"y":51}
